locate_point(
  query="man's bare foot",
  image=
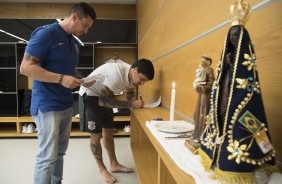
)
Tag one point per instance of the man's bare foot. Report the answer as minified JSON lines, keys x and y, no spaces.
{"x":107,"y":177}
{"x":121,"y":168}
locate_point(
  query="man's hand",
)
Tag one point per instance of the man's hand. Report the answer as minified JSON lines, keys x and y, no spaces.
{"x":71,"y":82}
{"x":89,"y":84}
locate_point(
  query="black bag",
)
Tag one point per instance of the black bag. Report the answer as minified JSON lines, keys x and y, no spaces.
{"x":24,"y":96}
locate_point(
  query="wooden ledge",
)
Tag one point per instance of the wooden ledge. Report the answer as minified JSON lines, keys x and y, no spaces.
{"x":29,"y":119}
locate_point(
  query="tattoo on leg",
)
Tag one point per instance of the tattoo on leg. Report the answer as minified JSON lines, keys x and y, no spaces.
{"x":96,"y":151}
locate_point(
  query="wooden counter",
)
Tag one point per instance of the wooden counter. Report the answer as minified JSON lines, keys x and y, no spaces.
{"x":154,"y":165}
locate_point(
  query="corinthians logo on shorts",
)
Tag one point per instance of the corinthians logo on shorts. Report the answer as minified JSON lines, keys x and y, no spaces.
{"x":91,"y":125}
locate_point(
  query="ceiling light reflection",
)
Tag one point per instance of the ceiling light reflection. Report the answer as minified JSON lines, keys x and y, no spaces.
{"x":1,"y":30}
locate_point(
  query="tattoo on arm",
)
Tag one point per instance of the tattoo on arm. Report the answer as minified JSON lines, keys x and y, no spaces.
{"x":28,"y":57}
{"x":96,"y":151}
{"x":107,"y":99}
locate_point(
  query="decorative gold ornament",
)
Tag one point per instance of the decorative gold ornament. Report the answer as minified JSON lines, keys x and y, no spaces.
{"x":239,"y":13}
{"x":250,"y":61}
{"x":237,"y":151}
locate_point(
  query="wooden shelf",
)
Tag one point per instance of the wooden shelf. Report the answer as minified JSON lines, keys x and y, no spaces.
{"x":34,"y":134}
{"x":77,"y":133}
{"x":122,"y":118}
{"x":121,"y":132}
{"x":8,"y":128}
{"x":12,"y":127}
{"x":9,"y":119}
{"x":116,"y":118}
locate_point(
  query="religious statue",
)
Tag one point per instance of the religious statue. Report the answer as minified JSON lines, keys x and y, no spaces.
{"x":201,"y":85}
{"x":236,"y":140}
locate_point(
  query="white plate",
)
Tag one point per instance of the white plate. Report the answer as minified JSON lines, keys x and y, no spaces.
{"x":175,"y":127}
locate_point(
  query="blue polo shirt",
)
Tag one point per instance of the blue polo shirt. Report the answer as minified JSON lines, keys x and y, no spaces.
{"x":58,"y":52}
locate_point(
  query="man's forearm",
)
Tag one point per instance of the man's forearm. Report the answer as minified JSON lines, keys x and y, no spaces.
{"x":41,"y":74}
{"x":30,"y":68}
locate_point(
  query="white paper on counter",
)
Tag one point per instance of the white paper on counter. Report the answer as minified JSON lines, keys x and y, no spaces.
{"x":155,"y":104}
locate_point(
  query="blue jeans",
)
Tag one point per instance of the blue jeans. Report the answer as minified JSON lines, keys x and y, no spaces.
{"x":54,"y":129}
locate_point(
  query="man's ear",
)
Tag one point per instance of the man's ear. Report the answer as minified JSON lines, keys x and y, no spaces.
{"x":135,"y":69}
{"x":75,"y":17}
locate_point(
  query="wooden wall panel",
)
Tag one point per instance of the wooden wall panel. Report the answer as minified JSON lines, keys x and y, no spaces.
{"x":177,"y":22}
{"x":139,"y":7}
{"x":59,"y":10}
{"x":180,"y":67}
{"x":146,"y":13}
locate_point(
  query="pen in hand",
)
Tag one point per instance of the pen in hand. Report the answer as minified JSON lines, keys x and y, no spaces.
{"x":141,"y":101}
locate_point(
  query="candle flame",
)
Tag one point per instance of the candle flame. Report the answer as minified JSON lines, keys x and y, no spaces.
{"x":173,"y":84}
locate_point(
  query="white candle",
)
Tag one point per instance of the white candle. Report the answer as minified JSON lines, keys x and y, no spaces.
{"x":172,"y":103}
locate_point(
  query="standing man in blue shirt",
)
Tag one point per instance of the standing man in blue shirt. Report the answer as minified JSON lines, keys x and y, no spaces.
{"x":50,"y":58}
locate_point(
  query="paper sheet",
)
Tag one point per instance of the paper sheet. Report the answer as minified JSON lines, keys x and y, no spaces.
{"x":155,"y":104}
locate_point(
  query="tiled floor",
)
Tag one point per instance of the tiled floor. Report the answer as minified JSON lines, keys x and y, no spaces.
{"x":17,"y":162}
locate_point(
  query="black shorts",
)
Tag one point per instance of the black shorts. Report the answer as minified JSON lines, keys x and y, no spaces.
{"x":92,"y":116}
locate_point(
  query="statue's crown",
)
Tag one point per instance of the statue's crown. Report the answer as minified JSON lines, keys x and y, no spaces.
{"x":239,"y":13}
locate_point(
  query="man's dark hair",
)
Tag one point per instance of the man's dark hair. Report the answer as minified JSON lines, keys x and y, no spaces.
{"x":145,"y":67}
{"x":83,"y":10}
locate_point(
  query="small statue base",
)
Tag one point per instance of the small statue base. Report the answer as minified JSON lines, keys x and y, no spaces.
{"x":192,"y":145}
